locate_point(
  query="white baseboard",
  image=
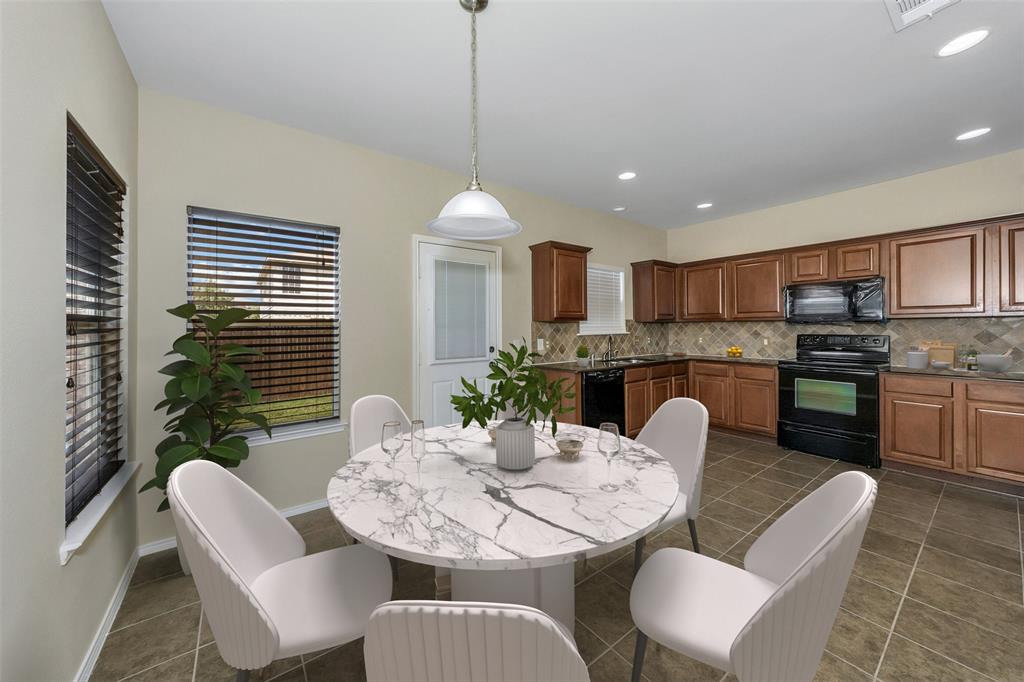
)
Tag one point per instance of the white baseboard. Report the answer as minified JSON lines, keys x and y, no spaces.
{"x":172,"y":542}
{"x":85,"y":670}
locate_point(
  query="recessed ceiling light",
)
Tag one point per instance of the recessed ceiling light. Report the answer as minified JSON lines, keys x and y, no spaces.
{"x":971,"y":134}
{"x":619,"y":209}
{"x":963,"y":42}
{"x":705,"y":205}
{"x":627,"y":175}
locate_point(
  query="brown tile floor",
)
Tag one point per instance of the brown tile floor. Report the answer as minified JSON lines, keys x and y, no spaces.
{"x":936,"y":592}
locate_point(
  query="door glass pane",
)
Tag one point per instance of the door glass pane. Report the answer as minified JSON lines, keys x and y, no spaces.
{"x":838,"y":397}
{"x":460,"y":310}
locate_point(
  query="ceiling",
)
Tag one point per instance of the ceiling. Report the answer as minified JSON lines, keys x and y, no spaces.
{"x":743,"y":104}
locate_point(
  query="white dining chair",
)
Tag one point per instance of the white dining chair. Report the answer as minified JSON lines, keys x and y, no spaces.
{"x":366,"y":417}
{"x":265,"y":600}
{"x":436,"y":641}
{"x":769,"y":620}
{"x":678,"y":431}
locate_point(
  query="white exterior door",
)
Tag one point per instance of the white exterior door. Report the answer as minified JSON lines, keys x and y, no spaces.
{"x":457,"y":306}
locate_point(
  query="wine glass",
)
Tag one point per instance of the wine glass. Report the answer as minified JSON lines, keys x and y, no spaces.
{"x":419,"y":443}
{"x":391,"y":441}
{"x":609,"y":445}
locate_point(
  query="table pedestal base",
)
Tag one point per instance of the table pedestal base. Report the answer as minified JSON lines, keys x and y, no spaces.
{"x":551,"y":589}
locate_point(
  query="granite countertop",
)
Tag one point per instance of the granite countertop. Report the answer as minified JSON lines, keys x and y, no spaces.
{"x":959,"y":373}
{"x":646,"y":361}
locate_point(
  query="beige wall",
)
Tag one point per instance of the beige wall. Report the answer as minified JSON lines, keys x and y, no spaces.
{"x":194,"y":154}
{"x":56,"y":57}
{"x":988,"y":187}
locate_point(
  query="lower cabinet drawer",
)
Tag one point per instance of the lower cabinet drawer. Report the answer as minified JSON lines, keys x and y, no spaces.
{"x":711,"y":369}
{"x":996,"y":391}
{"x":917,"y":385}
{"x":758,"y":373}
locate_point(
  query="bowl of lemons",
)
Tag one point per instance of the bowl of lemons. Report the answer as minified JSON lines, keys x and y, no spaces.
{"x":734,"y":352}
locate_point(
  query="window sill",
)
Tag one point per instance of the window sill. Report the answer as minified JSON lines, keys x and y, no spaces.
{"x":79,"y":530}
{"x":285,"y":433}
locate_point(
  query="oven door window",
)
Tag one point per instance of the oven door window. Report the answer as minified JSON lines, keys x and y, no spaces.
{"x":835,"y":397}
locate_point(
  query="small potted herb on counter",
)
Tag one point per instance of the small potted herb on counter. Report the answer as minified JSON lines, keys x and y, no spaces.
{"x":583,"y":355}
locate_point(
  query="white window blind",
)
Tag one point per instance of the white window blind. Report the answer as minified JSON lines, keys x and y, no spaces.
{"x":606,"y":301}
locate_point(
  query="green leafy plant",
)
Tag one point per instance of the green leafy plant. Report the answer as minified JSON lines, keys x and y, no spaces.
{"x":582,"y":351}
{"x":518,"y":387}
{"x":206,"y":394}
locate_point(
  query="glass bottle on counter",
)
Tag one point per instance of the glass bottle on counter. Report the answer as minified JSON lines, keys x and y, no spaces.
{"x":972,"y":360}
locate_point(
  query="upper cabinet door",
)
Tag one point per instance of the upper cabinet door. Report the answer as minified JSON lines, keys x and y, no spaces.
{"x":808,"y":266}
{"x":704,"y":292}
{"x":756,"y":288}
{"x":938,"y":273}
{"x":654,"y":291}
{"x":857,"y":260}
{"x":665,"y":292}
{"x":1011,"y":267}
{"x":559,"y":281}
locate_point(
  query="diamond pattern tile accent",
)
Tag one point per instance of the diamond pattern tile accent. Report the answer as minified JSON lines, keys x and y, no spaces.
{"x":986,"y":335}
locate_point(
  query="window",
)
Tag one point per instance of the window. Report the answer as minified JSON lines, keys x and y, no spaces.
{"x":287,"y":273}
{"x":93,"y":304}
{"x":606,"y":301}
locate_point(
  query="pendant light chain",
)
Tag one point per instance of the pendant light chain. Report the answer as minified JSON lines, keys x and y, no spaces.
{"x":474,"y":184}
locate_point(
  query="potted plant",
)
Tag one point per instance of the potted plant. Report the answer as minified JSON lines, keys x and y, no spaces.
{"x":521,"y":390}
{"x":582,"y":355}
{"x":207,"y":394}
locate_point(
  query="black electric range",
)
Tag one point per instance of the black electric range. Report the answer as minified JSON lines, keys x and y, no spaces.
{"x":828,"y":396}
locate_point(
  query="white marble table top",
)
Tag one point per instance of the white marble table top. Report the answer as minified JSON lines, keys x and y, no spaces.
{"x":462,"y":511}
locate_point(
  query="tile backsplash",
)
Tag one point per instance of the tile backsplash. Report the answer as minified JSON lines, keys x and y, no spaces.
{"x":776,"y":339}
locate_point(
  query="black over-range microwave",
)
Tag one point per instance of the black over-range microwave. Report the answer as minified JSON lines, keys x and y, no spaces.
{"x":830,"y":302}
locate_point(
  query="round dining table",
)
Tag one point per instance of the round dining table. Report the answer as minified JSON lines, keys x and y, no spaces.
{"x":506,"y":536}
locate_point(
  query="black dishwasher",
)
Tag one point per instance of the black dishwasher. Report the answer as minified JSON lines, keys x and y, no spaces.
{"x":604,"y":399}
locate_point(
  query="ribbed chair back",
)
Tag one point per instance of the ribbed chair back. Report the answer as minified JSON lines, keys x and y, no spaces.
{"x":678,"y":431}
{"x":810,"y":552}
{"x":429,"y":641}
{"x":231,"y":535}
{"x":366,"y":418}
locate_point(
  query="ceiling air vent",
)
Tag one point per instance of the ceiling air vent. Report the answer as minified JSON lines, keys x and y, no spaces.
{"x":906,"y":12}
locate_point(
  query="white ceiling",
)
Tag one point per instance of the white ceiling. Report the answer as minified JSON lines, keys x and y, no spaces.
{"x":744,"y":104}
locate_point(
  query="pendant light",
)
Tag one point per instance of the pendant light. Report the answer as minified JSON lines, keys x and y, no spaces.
{"x":474,"y":214}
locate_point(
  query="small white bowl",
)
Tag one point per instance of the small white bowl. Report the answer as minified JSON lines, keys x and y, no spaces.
{"x":938,"y":364}
{"x":990,"y":362}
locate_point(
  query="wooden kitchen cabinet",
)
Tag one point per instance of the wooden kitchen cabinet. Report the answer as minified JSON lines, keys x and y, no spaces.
{"x":661,"y":391}
{"x":919,"y":429}
{"x":995,"y":429}
{"x":755,"y":286}
{"x":709,"y":384}
{"x":559,"y":281}
{"x":704,"y":289}
{"x":970,"y":426}
{"x":638,"y":406}
{"x":938,"y":273}
{"x":571,"y":384}
{"x":857,"y":260}
{"x":654,"y":291}
{"x":755,"y":398}
{"x":1011,"y":267}
{"x":811,"y":265}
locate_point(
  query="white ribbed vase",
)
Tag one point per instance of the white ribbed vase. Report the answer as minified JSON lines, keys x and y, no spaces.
{"x":515,"y":445}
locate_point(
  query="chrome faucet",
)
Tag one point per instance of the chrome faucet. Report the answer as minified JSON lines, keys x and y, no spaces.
{"x":608,"y":354}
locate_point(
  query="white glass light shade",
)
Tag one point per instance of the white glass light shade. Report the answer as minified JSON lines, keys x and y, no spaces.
{"x":474,"y":214}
